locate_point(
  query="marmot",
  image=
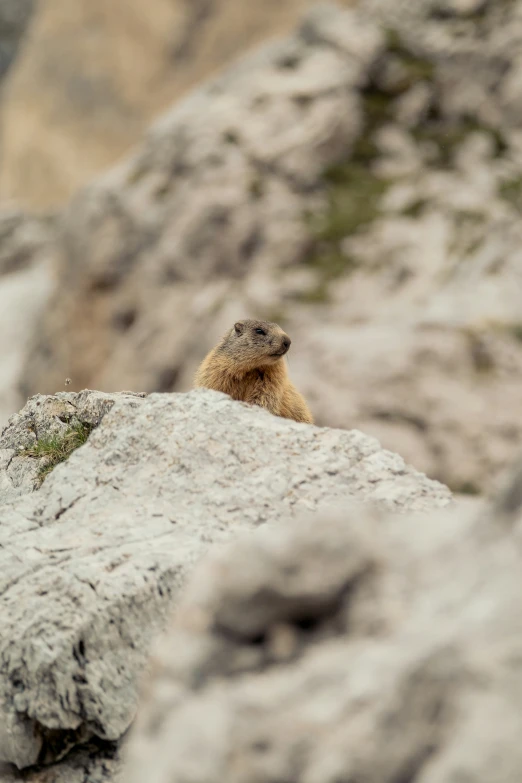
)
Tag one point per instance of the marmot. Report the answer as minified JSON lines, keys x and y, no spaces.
{"x":248,"y":364}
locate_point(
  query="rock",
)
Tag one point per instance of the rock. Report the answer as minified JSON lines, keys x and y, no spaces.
{"x":25,"y":286}
{"x":89,"y":81}
{"x":91,"y":563}
{"x":43,"y":418}
{"x":362,"y":646}
{"x":96,"y":762}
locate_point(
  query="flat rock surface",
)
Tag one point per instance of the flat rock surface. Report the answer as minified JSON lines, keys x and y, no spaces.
{"x":91,"y":562}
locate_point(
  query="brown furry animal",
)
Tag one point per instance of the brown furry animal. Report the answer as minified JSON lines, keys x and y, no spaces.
{"x":248,"y":364}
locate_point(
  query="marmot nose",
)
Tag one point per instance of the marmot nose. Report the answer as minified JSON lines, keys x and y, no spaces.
{"x":286,"y":342}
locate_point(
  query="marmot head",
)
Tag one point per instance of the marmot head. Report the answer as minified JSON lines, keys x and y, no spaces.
{"x":256,"y":343}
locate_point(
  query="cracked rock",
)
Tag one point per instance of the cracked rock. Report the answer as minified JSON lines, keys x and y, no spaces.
{"x":91,"y":563}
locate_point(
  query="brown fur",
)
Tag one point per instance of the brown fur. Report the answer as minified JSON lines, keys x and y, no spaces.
{"x":251,"y":367}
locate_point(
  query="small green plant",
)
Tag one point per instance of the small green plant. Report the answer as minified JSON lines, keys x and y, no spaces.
{"x":58,"y":448}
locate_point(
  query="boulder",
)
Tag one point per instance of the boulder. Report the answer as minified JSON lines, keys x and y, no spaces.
{"x":91,"y":563}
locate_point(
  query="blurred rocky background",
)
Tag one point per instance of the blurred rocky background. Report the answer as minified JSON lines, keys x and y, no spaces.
{"x":92,"y":75}
{"x":352,"y":171}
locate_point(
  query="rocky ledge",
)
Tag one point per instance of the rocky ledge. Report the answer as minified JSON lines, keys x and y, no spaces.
{"x":93,"y":553}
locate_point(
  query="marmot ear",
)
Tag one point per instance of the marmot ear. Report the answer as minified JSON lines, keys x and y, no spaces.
{"x":239,"y":327}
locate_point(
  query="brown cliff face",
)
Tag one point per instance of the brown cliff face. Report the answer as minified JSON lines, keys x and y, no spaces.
{"x":93,"y":74}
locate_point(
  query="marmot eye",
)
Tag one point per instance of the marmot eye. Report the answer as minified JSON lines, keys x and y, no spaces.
{"x":260,"y":331}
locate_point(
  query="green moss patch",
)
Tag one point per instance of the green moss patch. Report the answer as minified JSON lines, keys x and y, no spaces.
{"x":58,"y":448}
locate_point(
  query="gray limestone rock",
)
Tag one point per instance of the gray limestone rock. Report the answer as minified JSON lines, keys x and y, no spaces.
{"x":91,"y":563}
{"x":43,"y":418}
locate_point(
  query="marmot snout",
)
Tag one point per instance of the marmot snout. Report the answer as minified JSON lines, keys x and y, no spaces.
{"x":248,"y":364}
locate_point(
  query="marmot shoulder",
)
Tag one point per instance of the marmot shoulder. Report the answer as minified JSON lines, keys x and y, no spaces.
{"x":249,"y":365}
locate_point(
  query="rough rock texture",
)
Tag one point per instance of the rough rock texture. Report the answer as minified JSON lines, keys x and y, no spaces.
{"x":363,"y":647}
{"x":395,"y":129}
{"x":25,"y":286}
{"x":90,"y":564}
{"x":14,"y":17}
{"x":93,"y":762}
{"x":93,"y":74}
{"x":41,"y":419}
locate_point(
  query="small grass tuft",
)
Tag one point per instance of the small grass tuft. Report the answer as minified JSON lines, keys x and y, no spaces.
{"x":58,"y":448}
